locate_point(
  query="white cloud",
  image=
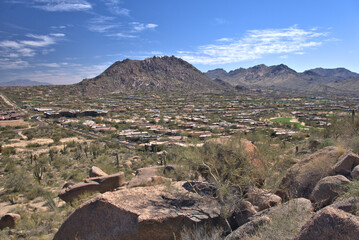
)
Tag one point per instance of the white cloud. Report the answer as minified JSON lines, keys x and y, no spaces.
{"x":58,"y":34}
{"x":41,"y":41}
{"x":62,"y":5}
{"x":254,"y":45}
{"x":122,"y":35}
{"x":10,"y":44}
{"x":225,"y":40}
{"x":139,"y":27}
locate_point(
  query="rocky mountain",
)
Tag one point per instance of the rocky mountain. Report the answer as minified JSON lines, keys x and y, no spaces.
{"x":334,"y":74}
{"x":157,"y":74}
{"x":283,"y":77}
{"x":23,"y":82}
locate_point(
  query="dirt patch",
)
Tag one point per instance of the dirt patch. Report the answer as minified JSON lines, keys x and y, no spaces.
{"x":24,"y":143}
{"x":13,"y":123}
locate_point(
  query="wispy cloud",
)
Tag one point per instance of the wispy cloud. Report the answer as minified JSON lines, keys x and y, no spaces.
{"x":122,"y":35}
{"x":255,"y":44}
{"x":114,"y":7}
{"x":62,"y":5}
{"x":55,"y":5}
{"x":8,"y":63}
{"x":103,"y":24}
{"x":12,"y":52}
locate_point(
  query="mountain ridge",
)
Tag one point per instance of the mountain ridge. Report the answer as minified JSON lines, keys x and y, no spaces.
{"x":282,"y":77}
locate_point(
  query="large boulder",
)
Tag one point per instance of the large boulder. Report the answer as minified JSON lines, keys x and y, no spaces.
{"x":302,"y":177}
{"x":97,"y":172}
{"x":330,"y":223}
{"x":155,"y":212}
{"x":327,"y":189}
{"x":92,"y":185}
{"x":9,"y":220}
{"x":346,"y":163}
{"x":248,"y":229}
{"x":263,"y":199}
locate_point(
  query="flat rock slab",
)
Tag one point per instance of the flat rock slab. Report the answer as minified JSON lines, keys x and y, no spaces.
{"x":146,"y":213}
{"x":92,"y":185}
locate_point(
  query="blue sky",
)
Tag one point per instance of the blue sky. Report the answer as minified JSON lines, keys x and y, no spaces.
{"x":65,"y":41}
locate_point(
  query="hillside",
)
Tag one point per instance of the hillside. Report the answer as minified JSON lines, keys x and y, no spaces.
{"x":158,"y":74}
{"x":283,"y":77}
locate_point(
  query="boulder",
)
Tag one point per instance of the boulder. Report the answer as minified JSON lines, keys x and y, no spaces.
{"x":262,"y":199}
{"x":327,"y":189}
{"x":302,"y":177}
{"x":241,"y":214}
{"x":300,"y":206}
{"x":149,"y":176}
{"x":248,"y":229}
{"x":155,"y":212}
{"x":330,"y":223}
{"x":355,"y":173}
{"x":92,"y":185}
{"x":9,"y":220}
{"x":97,"y":172}
{"x":349,"y":205}
{"x":346,"y":163}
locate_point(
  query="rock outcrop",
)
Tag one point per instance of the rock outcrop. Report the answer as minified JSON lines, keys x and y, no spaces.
{"x":327,"y":189}
{"x":146,"y":213}
{"x":330,"y":223}
{"x":302,"y":177}
{"x":92,"y":185}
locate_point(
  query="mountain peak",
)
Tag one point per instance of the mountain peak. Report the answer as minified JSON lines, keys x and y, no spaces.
{"x":151,"y":74}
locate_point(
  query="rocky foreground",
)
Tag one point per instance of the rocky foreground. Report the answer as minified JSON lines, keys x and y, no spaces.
{"x":152,"y":206}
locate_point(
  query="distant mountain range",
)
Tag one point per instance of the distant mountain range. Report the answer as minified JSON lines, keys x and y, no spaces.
{"x":283,"y":77}
{"x":157,"y":74}
{"x":171,"y":74}
{"x":23,"y":82}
